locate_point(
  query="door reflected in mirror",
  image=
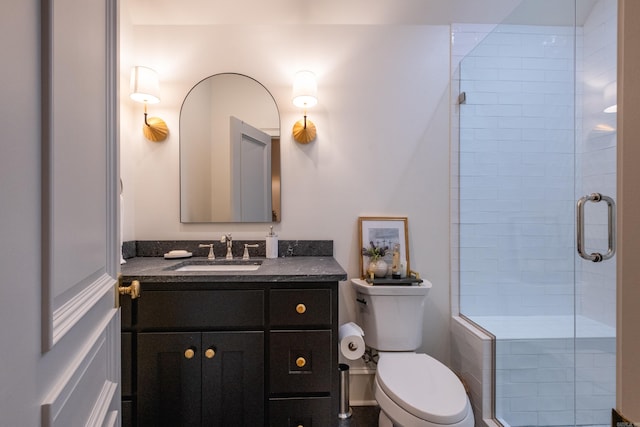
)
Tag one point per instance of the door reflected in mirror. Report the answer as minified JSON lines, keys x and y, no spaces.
{"x":229,"y":152}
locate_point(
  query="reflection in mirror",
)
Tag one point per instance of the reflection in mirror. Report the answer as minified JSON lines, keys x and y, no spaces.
{"x":229,"y":152}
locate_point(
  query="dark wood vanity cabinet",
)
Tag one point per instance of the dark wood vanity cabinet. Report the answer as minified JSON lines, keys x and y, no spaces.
{"x":237,"y":354}
{"x":200,"y":379}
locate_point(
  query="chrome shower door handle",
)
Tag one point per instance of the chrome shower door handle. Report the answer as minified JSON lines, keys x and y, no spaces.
{"x":611,"y":208}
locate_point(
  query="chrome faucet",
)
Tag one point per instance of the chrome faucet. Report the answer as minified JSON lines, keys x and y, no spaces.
{"x":210,"y":246}
{"x":227,"y":238}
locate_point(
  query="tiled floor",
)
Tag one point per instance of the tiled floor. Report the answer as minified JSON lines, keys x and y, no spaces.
{"x":363,"y":416}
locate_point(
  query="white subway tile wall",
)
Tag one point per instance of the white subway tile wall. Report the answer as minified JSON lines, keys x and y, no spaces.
{"x":523,"y":138}
{"x":471,"y":359}
{"x":516,"y":172}
{"x":539,"y":383}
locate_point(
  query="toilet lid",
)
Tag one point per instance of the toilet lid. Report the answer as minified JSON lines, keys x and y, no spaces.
{"x":423,"y":386}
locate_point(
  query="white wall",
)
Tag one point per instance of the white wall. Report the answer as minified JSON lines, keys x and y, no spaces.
{"x":382,"y":146}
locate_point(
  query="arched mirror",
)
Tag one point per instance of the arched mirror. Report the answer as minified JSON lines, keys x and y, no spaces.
{"x":229,"y":152}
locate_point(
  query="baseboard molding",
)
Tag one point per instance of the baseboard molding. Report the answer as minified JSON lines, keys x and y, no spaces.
{"x":361,"y":387}
{"x":363,"y":402}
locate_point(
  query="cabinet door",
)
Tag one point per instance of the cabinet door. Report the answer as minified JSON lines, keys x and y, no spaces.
{"x":126,"y":350}
{"x":233,"y":379}
{"x":169,"y":379}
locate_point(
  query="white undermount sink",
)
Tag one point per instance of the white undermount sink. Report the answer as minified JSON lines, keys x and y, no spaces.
{"x":221,"y":265}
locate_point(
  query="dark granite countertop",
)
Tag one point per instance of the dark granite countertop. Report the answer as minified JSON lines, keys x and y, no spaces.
{"x":284,"y":269}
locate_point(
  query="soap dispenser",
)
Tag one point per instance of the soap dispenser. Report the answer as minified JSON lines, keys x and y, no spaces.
{"x":271,"y":244}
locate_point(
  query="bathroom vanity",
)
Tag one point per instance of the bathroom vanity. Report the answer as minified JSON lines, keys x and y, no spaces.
{"x":234,"y":348}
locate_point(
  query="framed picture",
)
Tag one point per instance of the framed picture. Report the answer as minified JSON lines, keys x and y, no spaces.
{"x":378,"y":234}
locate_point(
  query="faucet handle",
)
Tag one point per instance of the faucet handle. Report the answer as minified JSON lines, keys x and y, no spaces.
{"x":245,"y":255}
{"x":210,"y":246}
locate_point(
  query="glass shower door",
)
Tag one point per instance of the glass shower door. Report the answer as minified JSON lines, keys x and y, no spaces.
{"x":534,"y":139}
{"x":595,"y":262}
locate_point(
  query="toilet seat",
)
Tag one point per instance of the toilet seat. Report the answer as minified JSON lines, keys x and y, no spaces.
{"x":423,"y":387}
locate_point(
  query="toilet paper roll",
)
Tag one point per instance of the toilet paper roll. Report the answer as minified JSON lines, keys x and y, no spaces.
{"x":351,"y":341}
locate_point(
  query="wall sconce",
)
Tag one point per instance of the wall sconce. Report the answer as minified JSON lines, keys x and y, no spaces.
{"x":145,"y":88}
{"x":305,"y":91}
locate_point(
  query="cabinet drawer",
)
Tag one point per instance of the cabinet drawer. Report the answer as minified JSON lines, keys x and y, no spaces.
{"x":299,"y":307}
{"x":300,"y":362}
{"x":201,"y":309}
{"x":306,"y":412}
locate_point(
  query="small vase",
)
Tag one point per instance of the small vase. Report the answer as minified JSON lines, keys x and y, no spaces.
{"x":379,"y":267}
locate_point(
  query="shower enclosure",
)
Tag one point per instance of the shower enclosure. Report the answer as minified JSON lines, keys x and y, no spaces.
{"x":534,"y":199}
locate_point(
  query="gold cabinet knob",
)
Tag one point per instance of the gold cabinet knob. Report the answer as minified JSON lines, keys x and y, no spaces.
{"x":301,"y":308}
{"x":189,"y":353}
{"x":300,"y":362}
{"x":210,"y":353}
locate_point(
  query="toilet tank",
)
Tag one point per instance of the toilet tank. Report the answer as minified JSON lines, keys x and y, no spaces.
{"x":391,"y":316}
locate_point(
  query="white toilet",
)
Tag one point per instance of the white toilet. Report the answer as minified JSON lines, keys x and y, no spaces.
{"x":412,"y":389}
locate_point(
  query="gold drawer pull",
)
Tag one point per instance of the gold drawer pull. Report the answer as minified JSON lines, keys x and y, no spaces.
{"x":189,"y":353}
{"x":300,"y":362}
{"x":210,"y":353}
{"x":301,"y":308}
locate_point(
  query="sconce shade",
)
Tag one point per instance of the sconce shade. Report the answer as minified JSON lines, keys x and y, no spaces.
{"x":305,"y":90}
{"x":145,"y":86}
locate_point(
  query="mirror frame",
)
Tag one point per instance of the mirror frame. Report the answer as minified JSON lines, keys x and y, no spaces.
{"x":276,"y":204}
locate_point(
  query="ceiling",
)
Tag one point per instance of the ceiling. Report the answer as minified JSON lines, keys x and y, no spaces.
{"x":355,"y":12}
